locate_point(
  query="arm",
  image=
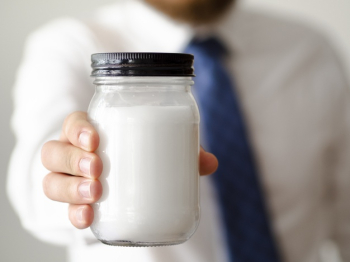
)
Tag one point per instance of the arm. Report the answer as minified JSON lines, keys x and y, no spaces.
{"x":52,"y":81}
{"x":341,"y":177}
{"x":339,"y":154}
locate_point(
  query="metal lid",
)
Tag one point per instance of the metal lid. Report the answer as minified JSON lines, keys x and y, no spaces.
{"x":142,"y":64}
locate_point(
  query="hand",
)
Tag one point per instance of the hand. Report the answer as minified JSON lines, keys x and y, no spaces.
{"x":75,"y":169}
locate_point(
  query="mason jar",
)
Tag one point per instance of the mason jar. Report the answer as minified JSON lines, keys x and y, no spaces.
{"x":147,"y":120}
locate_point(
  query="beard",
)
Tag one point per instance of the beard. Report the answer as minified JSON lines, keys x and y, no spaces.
{"x":195,"y":12}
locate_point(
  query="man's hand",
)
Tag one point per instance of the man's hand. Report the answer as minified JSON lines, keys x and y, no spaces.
{"x":75,"y":168}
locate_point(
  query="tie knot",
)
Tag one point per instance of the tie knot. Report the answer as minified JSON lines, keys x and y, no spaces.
{"x":211,"y":46}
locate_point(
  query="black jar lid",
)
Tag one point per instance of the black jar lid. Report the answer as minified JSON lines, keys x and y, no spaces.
{"x":142,"y":64}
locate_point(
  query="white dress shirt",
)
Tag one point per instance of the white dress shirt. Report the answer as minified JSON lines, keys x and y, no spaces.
{"x":293,"y":94}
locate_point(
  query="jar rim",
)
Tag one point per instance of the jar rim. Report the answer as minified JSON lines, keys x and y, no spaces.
{"x":142,"y":64}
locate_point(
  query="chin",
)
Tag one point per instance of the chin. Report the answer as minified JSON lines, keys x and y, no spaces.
{"x":192,"y":11}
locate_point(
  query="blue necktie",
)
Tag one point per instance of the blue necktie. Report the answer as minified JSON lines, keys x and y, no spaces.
{"x":248,"y":232}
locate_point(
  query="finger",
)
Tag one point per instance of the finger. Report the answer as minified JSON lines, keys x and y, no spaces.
{"x":81,"y":216}
{"x":71,"y":189}
{"x":62,"y":157}
{"x":78,"y":131}
{"x":208,"y":163}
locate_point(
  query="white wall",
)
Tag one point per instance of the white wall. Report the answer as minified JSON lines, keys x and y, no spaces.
{"x":330,"y":16}
{"x":18,"y":18}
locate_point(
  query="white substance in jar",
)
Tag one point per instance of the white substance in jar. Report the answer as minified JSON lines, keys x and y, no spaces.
{"x":150,"y":170}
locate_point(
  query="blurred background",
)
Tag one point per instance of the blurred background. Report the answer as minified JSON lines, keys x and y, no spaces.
{"x":18,"y":18}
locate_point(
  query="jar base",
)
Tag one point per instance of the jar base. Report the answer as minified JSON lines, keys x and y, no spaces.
{"x":125,"y":243}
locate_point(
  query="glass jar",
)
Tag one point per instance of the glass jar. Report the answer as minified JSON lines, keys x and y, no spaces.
{"x":147,"y":120}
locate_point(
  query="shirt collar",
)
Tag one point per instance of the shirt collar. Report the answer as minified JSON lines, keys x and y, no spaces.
{"x":149,"y":30}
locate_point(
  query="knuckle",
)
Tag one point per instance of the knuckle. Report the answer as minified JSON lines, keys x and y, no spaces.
{"x":71,"y":214}
{"x":45,"y":152}
{"x":46,"y":185}
{"x":70,"y":120}
{"x":66,"y":122}
{"x":73,"y":125}
{"x":75,"y":131}
{"x":72,"y":193}
{"x":70,"y":160}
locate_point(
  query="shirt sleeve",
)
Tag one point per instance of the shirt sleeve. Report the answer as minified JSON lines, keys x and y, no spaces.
{"x":341,"y":190}
{"x":339,"y":154}
{"x":52,"y":81}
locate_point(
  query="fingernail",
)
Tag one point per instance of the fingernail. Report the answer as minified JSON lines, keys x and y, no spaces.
{"x":84,"y":165}
{"x":84,"y":189}
{"x":84,"y":139}
{"x":80,"y":214}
